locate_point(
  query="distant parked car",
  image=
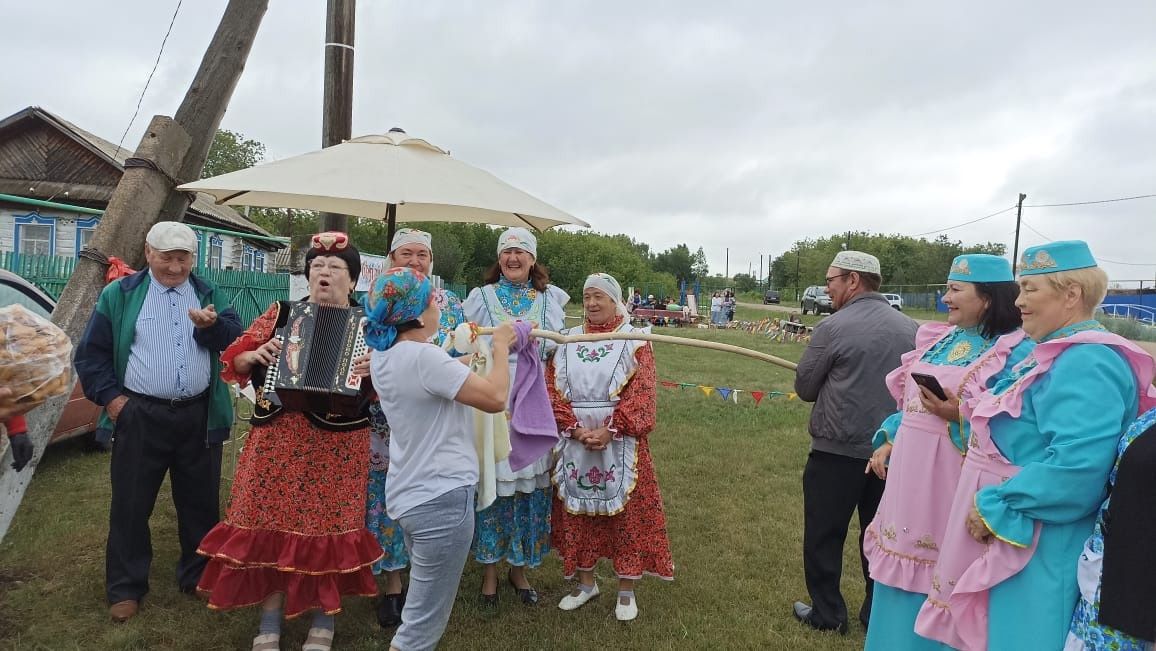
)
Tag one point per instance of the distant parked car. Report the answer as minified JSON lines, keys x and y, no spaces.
{"x":816,"y":300}
{"x":79,"y":415}
{"x":771,"y":297}
{"x":895,"y":300}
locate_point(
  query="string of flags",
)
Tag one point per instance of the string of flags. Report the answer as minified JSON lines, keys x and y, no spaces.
{"x":729,"y":393}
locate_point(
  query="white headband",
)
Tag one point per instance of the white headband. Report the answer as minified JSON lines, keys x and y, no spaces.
{"x":606,"y":284}
{"x":405,"y":236}
{"x":519,"y":238}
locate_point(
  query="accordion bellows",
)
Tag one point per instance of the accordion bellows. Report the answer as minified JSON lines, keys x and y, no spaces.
{"x":314,"y":372}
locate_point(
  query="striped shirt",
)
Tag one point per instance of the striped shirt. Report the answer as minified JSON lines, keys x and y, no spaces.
{"x":164,"y":361}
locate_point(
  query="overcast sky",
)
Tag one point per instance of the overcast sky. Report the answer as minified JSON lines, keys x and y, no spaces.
{"x":745,"y":125}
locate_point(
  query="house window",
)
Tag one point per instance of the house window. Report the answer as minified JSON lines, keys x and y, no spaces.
{"x":85,"y":228}
{"x":35,"y":235}
{"x":246,"y":258}
{"x":259,"y":261}
{"x":216,"y":252}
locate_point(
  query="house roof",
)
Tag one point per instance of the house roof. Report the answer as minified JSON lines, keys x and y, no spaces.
{"x":202,"y":205}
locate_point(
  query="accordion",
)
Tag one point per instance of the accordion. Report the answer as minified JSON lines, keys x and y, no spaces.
{"x":314,"y":372}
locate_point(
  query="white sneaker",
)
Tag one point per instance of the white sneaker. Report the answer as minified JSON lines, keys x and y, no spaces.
{"x":627,"y":612}
{"x":573,"y":602}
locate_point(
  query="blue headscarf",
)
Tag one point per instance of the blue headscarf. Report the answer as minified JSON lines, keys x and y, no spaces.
{"x":397,"y":296}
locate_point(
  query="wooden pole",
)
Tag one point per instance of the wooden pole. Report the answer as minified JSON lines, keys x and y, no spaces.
{"x":337,"y":105}
{"x":647,"y":336}
{"x":172,"y":150}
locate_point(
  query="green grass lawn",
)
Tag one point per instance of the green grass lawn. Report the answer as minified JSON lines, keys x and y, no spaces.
{"x":731,"y":483}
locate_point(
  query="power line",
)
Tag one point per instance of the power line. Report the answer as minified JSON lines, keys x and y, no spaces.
{"x":1128,"y":264}
{"x":149,"y":80}
{"x":966,"y":223}
{"x":1086,"y":203}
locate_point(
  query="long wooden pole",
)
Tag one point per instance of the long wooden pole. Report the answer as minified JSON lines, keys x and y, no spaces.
{"x":647,"y":336}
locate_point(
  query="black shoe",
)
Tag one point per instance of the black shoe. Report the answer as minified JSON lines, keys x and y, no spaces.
{"x":389,"y":609}
{"x":529,"y":596}
{"x":803,"y":614}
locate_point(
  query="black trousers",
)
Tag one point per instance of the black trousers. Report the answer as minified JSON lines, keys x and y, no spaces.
{"x":834,"y":486}
{"x":152,"y":439}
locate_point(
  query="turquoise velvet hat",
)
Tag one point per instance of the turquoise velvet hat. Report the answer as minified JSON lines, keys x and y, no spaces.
{"x":1054,"y":257}
{"x":980,"y":268}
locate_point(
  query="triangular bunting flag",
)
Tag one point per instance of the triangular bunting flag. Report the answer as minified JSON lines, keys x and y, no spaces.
{"x":669,"y":385}
{"x":735,"y":396}
{"x":686,"y":385}
{"x":792,"y":396}
{"x":706,"y":391}
{"x":758,"y":396}
{"x":724,"y":392}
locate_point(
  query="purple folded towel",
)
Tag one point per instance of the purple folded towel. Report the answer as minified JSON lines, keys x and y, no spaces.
{"x":532,"y":428}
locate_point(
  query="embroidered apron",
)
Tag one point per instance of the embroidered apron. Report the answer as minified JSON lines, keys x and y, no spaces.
{"x":902,"y":543}
{"x":591,"y":375}
{"x":956,"y":610}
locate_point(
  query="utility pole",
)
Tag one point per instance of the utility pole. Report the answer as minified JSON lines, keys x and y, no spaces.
{"x":337,"y":106}
{"x":848,"y":247}
{"x":798,"y":277}
{"x":172,"y":151}
{"x":761,"y":268}
{"x":728,"y":265}
{"x":1019,"y":214}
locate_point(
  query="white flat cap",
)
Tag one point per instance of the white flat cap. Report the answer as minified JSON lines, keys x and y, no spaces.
{"x":857,"y":261}
{"x":171,"y":236}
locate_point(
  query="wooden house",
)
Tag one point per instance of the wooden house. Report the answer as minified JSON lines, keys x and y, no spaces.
{"x":55,"y":178}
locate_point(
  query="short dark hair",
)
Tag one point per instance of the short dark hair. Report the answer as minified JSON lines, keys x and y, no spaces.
{"x":539,"y":275}
{"x":871,"y":282}
{"x":1001,"y":316}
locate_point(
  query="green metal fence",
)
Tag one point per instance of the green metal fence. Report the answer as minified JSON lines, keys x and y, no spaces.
{"x":49,"y":273}
{"x":249,"y":292}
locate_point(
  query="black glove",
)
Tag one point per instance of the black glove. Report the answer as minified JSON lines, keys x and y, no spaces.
{"x":21,"y":451}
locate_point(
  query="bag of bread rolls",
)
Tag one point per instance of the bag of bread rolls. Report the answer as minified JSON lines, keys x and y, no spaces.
{"x":35,"y":356}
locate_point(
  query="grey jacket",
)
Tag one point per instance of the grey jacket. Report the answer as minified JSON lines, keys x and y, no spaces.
{"x":843,"y":371}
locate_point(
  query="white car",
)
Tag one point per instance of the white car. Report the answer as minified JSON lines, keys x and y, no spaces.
{"x":895,"y":300}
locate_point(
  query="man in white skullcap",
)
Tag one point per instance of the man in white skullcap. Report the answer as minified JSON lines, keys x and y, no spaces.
{"x":843,"y":372}
{"x":414,"y":249}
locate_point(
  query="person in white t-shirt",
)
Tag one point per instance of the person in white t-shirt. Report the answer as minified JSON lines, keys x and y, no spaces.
{"x":433,"y":466}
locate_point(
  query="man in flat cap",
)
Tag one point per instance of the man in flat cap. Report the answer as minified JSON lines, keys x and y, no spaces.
{"x":151,"y":357}
{"x":842,"y":372}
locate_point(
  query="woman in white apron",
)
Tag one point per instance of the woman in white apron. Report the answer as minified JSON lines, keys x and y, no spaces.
{"x":516,"y":527}
{"x":608,"y":504}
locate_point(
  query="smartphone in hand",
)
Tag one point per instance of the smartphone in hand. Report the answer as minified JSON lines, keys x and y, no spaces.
{"x":930,"y":383}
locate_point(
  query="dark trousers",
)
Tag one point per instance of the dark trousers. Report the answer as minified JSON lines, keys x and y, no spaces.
{"x":152,"y":439}
{"x":833,"y":487}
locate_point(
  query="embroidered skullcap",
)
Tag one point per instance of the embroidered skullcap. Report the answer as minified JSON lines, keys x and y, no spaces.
{"x":980,"y":268}
{"x":399,"y":295}
{"x":609,"y":286}
{"x":1054,"y":257}
{"x":405,"y":236}
{"x":518,"y":238}
{"x":857,"y":261}
{"x":336,"y":244}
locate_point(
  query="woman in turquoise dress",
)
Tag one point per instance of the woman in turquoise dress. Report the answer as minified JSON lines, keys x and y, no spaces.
{"x":1088,"y":631}
{"x":1043,"y":441}
{"x":920,"y":446}
{"x":414,"y":249}
{"x":516,"y":527}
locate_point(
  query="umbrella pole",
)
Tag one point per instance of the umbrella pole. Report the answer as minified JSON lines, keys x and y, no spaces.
{"x":390,"y":222}
{"x":647,"y":336}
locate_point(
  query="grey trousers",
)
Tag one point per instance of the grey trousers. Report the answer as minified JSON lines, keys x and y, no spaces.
{"x":438,"y":535}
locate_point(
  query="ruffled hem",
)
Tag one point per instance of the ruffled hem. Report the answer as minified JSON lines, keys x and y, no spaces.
{"x":228,"y":587}
{"x":925,"y":337}
{"x":896,"y":569}
{"x":289,"y":552}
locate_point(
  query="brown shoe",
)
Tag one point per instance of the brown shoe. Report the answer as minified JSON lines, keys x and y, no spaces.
{"x":122,"y":611}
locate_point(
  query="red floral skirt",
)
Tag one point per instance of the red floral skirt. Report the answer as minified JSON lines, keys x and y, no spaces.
{"x":635,"y":539}
{"x":295,"y":523}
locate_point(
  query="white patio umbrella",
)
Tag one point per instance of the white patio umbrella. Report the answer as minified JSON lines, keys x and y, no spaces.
{"x":390,"y":177}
